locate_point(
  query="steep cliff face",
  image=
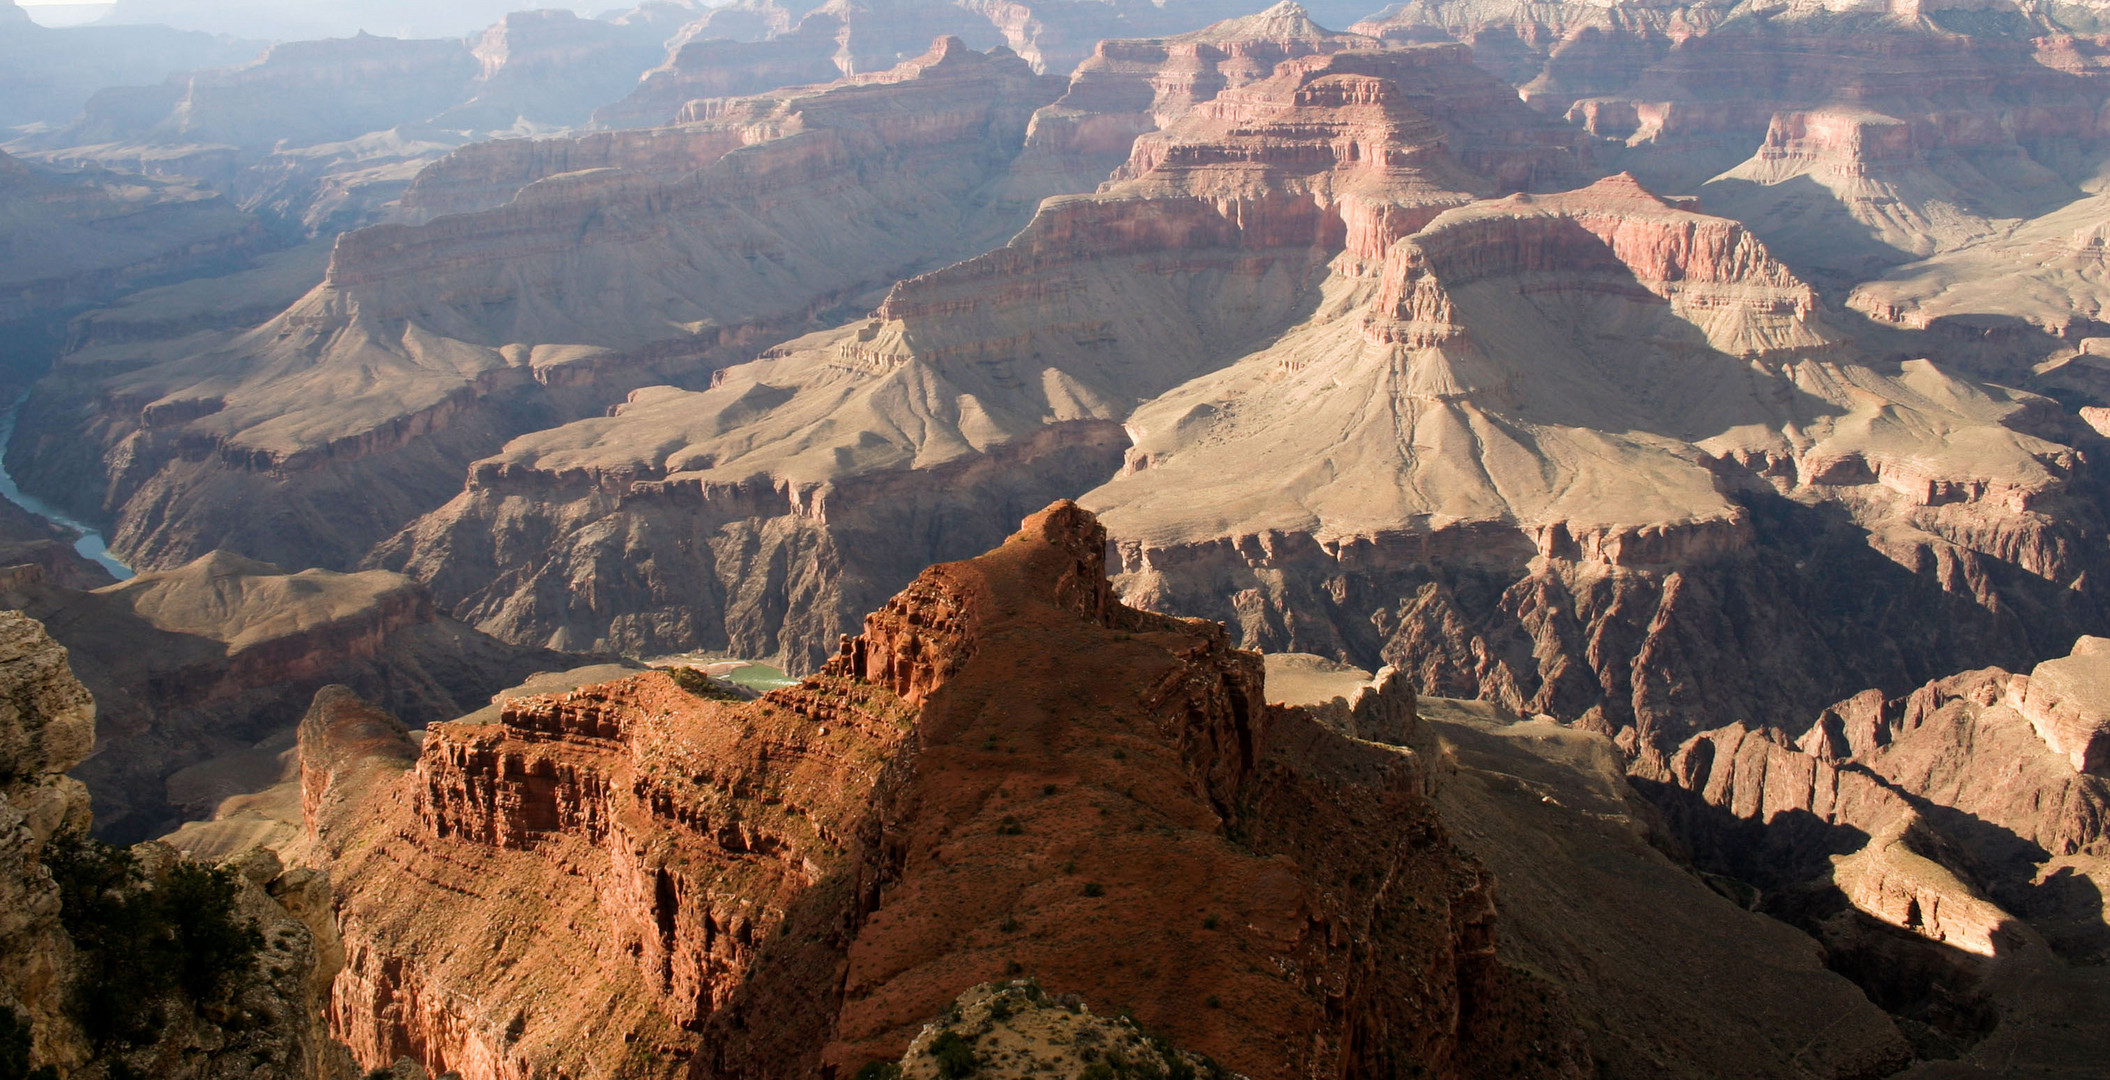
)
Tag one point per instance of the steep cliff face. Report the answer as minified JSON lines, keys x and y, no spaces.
{"x":1131,"y":86}
{"x":427,"y":346}
{"x":1007,"y":771}
{"x":265,"y":1017}
{"x":206,"y":661}
{"x":783,"y":493}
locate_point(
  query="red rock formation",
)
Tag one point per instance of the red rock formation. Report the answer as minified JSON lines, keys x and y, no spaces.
{"x":1008,"y":770}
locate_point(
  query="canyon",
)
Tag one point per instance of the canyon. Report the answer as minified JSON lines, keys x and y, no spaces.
{"x":1536,"y":520}
{"x":366,"y":384}
{"x":799,"y":488}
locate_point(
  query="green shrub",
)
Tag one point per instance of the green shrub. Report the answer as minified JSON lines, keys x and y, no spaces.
{"x":955,"y":1056}
{"x":138,"y":945}
{"x":879,"y":1070}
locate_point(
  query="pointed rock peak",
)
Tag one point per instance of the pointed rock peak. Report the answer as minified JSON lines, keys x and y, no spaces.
{"x":1622,"y":187}
{"x":1286,"y":21}
{"x":946,"y":49}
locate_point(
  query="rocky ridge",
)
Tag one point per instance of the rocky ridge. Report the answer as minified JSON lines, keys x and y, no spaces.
{"x":1008,"y":770}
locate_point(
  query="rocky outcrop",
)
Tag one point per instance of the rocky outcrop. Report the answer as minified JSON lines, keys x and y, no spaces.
{"x":1949,"y":860}
{"x":47,"y":725}
{"x":1007,"y":771}
{"x":974,"y":391}
{"x":2065,"y":701}
{"x":756,"y":244}
{"x":206,"y":661}
{"x":267,"y":1018}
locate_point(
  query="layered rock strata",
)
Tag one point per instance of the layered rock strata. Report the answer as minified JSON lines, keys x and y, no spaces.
{"x":1563,"y":449}
{"x":210,"y":659}
{"x":1007,"y":771}
{"x":427,"y":346}
{"x":1851,"y":139}
{"x":1129,"y":87}
{"x":70,"y":239}
{"x":803,"y":486}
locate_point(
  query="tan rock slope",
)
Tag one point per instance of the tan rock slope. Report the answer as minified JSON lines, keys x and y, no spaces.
{"x":202,"y":663}
{"x":426,"y":346}
{"x":267,"y":1020}
{"x":776,"y":504}
{"x":1007,"y":772}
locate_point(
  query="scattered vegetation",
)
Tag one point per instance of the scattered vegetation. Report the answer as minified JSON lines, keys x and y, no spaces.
{"x":1009,"y":826}
{"x":879,"y":1070}
{"x":140,"y":943}
{"x":1093,"y":888}
{"x":700,"y":684}
{"x":1208,"y":922}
